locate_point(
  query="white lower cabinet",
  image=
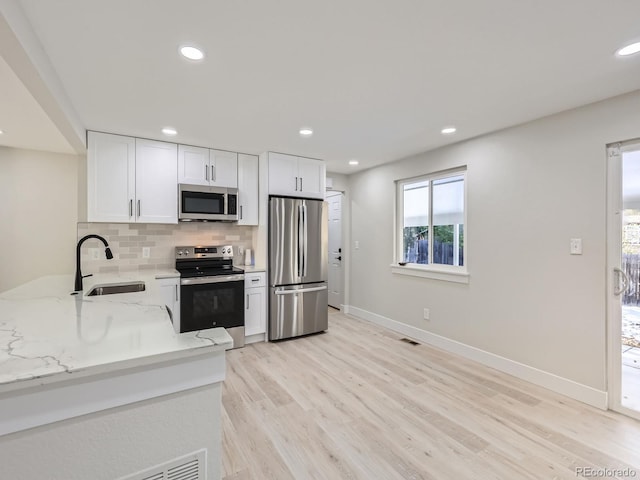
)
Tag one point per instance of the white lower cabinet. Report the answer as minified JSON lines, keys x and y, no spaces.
{"x":170,"y":291}
{"x":255,"y":306}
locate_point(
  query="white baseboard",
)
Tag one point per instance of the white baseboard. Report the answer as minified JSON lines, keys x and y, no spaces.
{"x":564,"y":386}
{"x":258,"y":337}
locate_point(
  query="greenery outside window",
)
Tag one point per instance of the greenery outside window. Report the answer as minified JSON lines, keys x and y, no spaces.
{"x":431,"y":221}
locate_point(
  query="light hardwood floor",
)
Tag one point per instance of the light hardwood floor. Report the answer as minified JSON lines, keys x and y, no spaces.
{"x":359,"y":403}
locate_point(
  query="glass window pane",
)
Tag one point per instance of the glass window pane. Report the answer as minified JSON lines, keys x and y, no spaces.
{"x":415,"y":231}
{"x":448,"y":220}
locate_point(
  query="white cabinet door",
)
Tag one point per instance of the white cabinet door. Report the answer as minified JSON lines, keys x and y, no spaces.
{"x":247,"y":189}
{"x":255,"y":313}
{"x":110,"y":178}
{"x":296,"y":176}
{"x":283,"y":174}
{"x":193,"y":165}
{"x":156,"y":182}
{"x":312,"y":175}
{"x":253,"y":317}
{"x":170,"y":292}
{"x":224,"y":168}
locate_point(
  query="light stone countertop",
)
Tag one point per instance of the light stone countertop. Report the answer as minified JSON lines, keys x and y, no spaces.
{"x":252,"y":268}
{"x":49,"y":335}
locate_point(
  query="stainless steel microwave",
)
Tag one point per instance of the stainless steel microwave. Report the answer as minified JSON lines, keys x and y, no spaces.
{"x":205,"y":203}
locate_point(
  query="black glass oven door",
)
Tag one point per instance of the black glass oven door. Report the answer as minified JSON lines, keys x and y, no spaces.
{"x":209,"y":305}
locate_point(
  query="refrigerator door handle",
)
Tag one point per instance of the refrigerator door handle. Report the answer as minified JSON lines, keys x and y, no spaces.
{"x":305,"y":244}
{"x":302,"y":290}
{"x":300,"y":240}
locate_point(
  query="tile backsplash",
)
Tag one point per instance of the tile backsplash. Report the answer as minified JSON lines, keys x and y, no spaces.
{"x":127,"y":240}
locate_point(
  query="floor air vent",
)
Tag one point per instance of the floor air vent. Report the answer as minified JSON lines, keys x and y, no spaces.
{"x":408,"y":340}
{"x":189,"y":467}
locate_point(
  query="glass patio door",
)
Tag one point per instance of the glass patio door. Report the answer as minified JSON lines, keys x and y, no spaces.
{"x":624,"y":276}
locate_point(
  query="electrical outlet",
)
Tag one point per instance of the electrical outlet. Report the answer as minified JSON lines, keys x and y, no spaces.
{"x":576,"y":246}
{"x":146,"y":252}
{"x":426,"y":314}
{"x":94,"y":253}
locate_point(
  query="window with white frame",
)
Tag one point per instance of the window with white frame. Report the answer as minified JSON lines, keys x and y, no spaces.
{"x":431,"y":218}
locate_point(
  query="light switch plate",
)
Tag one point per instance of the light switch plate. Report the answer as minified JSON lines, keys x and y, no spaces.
{"x":576,"y":246}
{"x":146,"y":252}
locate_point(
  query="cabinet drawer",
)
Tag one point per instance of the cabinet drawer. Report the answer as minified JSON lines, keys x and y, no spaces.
{"x":255,"y":279}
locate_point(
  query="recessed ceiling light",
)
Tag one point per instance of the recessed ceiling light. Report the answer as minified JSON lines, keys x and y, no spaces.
{"x":191,"y":52}
{"x":448,"y":130}
{"x":306,"y":132}
{"x":1,"y":132}
{"x":629,"y":49}
{"x":169,"y":131}
{"x":353,"y":162}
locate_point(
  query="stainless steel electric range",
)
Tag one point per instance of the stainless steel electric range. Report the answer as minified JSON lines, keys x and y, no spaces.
{"x":211,"y":290}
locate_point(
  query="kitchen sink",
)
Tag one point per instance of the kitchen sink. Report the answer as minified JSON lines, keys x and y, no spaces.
{"x":114,"y":288}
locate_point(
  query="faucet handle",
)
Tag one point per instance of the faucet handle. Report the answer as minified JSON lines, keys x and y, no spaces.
{"x":85,"y":276}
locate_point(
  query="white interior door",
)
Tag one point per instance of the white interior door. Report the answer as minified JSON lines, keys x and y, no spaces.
{"x":335,"y":271}
{"x":623,"y":274}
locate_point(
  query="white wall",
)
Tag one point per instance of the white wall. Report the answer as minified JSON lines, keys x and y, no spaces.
{"x":39,"y":212}
{"x":530,"y":189}
{"x":119,"y":441}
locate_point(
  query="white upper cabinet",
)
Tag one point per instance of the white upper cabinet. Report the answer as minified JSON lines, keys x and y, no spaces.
{"x":224,"y":168}
{"x":193,"y":165}
{"x":203,"y":166}
{"x":131,"y":180}
{"x":111,"y":176}
{"x":313,"y":175}
{"x":296,"y":176}
{"x":247,"y":189}
{"x":156,"y":182}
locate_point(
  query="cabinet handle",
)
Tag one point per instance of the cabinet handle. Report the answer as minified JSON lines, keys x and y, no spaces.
{"x":177,"y":298}
{"x":240,"y":212}
{"x":300,"y":183}
{"x":255,"y":279}
{"x":213,"y":173}
{"x":138,"y":208}
{"x":206,"y":172}
{"x":130,"y":207}
{"x":296,"y":184}
{"x":247,"y":301}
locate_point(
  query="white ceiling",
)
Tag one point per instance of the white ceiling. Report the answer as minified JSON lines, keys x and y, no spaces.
{"x":375,"y":79}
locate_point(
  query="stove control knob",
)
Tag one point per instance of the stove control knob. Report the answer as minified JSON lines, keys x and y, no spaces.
{"x":179,"y":252}
{"x":186,"y":252}
{"x":224,"y":250}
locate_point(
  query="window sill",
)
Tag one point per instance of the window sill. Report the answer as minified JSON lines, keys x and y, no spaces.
{"x":432,"y":272}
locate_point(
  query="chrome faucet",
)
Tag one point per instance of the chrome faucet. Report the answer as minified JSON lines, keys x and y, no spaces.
{"x":79,"y":277}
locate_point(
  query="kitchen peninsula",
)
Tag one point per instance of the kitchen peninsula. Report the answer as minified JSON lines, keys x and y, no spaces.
{"x":88,"y":384}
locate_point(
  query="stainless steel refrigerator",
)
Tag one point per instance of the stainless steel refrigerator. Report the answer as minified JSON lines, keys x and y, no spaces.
{"x":298,"y":294}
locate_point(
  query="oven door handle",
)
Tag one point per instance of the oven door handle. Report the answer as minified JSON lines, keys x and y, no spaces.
{"x":216,"y":279}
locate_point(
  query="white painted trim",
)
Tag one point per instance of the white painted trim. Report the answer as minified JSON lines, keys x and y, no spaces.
{"x":52,"y":403}
{"x":258,"y":337}
{"x":431,"y":272}
{"x":564,"y":386}
{"x":614,"y":260}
